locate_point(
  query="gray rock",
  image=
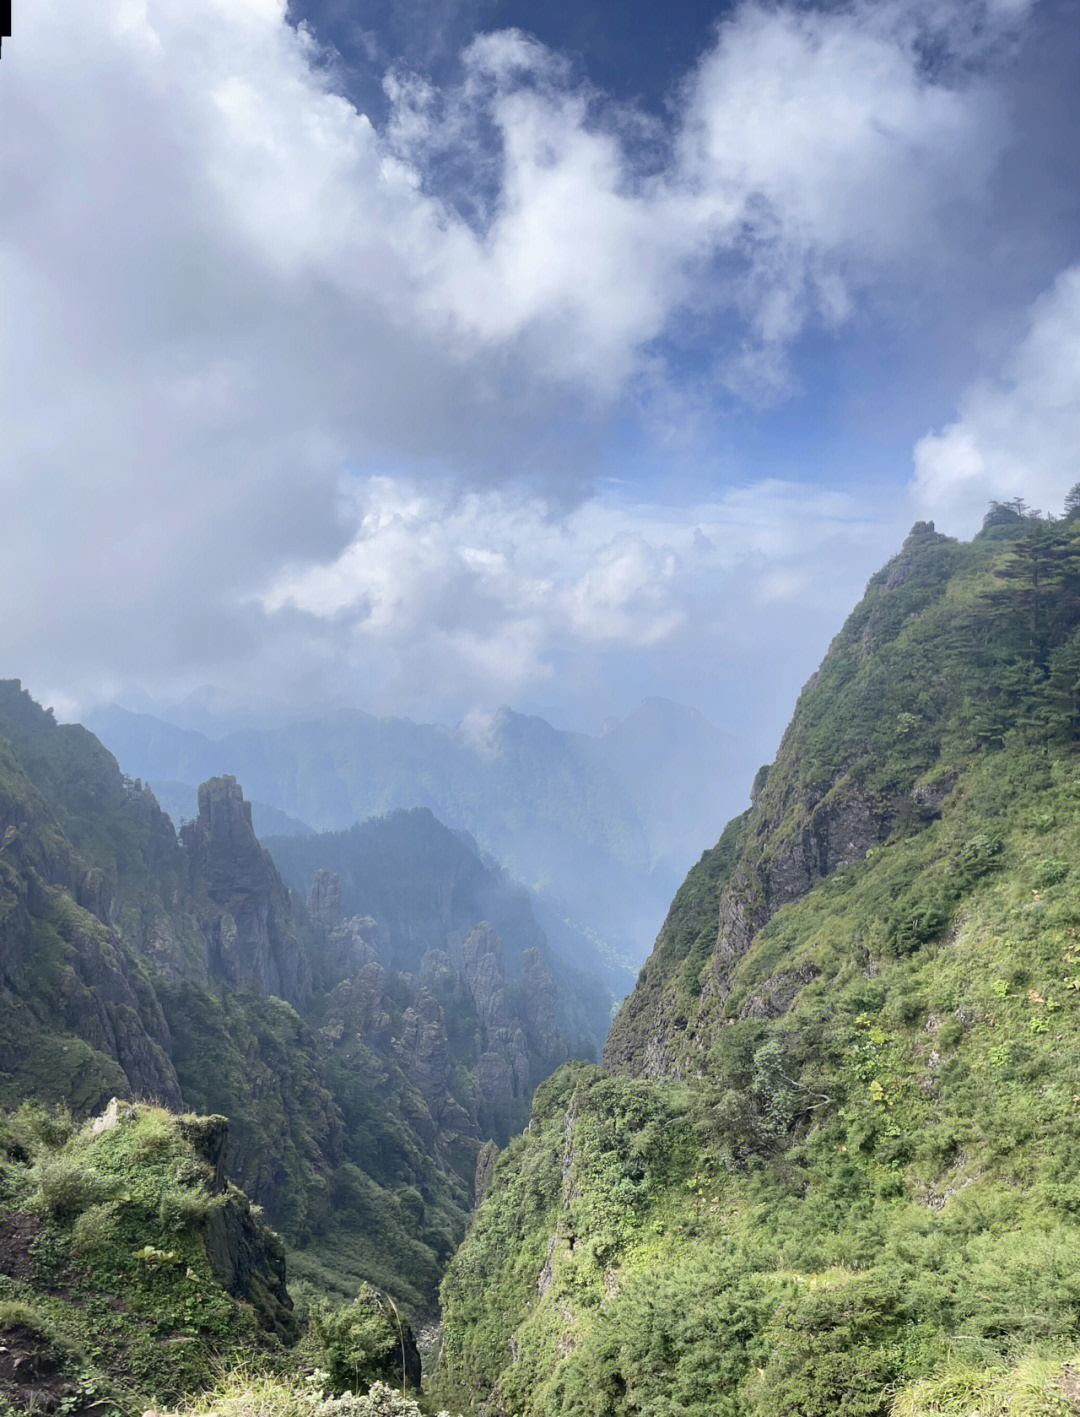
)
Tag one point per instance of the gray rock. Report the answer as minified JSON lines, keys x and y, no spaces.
{"x":324,"y":899}
{"x":482,"y":957}
{"x":242,"y":904}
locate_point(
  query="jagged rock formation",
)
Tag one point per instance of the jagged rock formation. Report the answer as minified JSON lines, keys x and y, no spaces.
{"x":481,"y":953}
{"x":243,"y":907}
{"x":324,"y":899}
{"x":540,"y":998}
{"x":485,"y":1171}
{"x":136,"y":964}
{"x":426,"y":888}
{"x":63,"y":961}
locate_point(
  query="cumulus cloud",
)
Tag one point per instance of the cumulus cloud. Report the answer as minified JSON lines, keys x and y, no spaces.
{"x":223,"y":287}
{"x":489,"y":596}
{"x":1017,"y":435}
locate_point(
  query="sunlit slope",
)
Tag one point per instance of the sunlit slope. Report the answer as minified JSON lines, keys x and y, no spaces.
{"x":835,"y":1169}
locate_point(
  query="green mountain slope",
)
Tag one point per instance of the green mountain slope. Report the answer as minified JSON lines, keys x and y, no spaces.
{"x":137,"y":964}
{"x":129,"y":1266}
{"x":832,"y":1167}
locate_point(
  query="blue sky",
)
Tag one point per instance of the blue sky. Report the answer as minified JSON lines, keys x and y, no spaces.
{"x":427,"y":356}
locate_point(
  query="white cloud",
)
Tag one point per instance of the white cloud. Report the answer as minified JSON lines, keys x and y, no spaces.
{"x":479,"y":598}
{"x":1018,"y":435}
{"x":221,"y":286}
{"x":812,"y":149}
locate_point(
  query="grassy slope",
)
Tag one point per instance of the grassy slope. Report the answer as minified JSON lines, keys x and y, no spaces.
{"x":113,"y":1252}
{"x":872,"y":1193}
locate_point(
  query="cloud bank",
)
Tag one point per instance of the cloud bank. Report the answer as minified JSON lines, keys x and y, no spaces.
{"x":490,"y":594}
{"x":281,"y":385}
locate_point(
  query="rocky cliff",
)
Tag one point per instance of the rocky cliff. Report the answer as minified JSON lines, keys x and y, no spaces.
{"x":242,"y":906}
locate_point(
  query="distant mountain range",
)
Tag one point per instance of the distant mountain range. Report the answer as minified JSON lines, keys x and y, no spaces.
{"x":600,"y":828}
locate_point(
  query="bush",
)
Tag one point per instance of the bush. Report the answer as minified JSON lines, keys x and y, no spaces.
{"x":15,"y":1315}
{"x":94,"y":1229}
{"x":357,"y":1343}
{"x":245,"y":1392}
{"x":65,"y":1186}
{"x":33,"y":1129}
{"x":183,"y":1207}
{"x":378,"y":1401}
{"x":1049,"y":872}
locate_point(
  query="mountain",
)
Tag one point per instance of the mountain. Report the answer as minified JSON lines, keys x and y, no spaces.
{"x":601,"y":829}
{"x":830,"y":1164}
{"x":425,"y":887}
{"x":361,"y":1075}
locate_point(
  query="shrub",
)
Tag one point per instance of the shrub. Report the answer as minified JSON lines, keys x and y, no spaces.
{"x":65,"y":1186}
{"x":32,"y":1129}
{"x":15,"y":1315}
{"x":378,"y":1401}
{"x":183,"y":1207}
{"x":94,"y":1229}
{"x":1049,"y":871}
{"x":357,"y":1343}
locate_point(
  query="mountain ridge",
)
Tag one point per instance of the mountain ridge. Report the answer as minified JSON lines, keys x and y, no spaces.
{"x":588,"y":823}
{"x":830,"y":1167}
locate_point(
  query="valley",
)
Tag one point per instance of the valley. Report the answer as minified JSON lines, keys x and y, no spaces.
{"x":824,"y":1160}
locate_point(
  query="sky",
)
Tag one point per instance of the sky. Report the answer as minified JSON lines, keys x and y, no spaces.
{"x":426,"y":355}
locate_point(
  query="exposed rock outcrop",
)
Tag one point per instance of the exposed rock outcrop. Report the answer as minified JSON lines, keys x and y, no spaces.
{"x":425,"y":1056}
{"x":540,"y":993}
{"x":482,"y":958}
{"x":324,"y":898}
{"x":243,"y":906}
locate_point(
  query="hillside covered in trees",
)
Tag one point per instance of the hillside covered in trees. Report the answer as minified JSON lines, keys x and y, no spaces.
{"x":830,"y":1165}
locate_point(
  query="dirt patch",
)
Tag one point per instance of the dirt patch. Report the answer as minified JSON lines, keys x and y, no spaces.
{"x":17,"y":1233}
{"x":1070,"y":1386}
{"x":35,"y":1375}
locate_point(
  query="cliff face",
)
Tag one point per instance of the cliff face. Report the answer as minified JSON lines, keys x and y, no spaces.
{"x":242,"y":906}
{"x":847,"y":777}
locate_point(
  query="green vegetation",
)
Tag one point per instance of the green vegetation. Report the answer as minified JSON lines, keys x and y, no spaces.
{"x":130,"y":1269}
{"x":832,"y":1170}
{"x":253,"y":1394}
{"x":862,"y":1197}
